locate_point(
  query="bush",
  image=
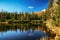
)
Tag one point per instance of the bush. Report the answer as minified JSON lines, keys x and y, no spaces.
{"x":2,"y":20}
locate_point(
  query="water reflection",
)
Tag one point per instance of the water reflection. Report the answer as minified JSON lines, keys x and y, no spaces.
{"x":21,"y":32}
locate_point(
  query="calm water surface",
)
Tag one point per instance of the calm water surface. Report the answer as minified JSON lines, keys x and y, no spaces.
{"x":21,"y":32}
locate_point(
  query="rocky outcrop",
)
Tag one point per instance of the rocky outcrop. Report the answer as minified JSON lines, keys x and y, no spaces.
{"x":55,"y":30}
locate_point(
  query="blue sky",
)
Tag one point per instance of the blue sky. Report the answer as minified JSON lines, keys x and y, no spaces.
{"x":23,"y":5}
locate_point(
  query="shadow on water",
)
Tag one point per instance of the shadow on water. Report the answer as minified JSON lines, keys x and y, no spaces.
{"x":21,"y":32}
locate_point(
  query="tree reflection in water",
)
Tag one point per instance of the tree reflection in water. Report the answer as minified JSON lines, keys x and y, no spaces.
{"x":23,"y":28}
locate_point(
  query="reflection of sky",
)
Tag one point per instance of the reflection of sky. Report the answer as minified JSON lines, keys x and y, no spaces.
{"x":23,"y":5}
{"x":22,"y":35}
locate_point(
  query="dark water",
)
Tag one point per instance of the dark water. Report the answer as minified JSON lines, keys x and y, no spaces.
{"x":21,"y":32}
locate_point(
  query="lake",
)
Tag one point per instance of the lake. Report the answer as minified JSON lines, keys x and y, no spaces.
{"x":22,"y":32}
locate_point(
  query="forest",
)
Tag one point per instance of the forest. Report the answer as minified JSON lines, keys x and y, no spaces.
{"x":53,"y":12}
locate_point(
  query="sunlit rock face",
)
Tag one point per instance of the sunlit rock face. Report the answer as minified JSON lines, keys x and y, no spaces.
{"x":54,"y":4}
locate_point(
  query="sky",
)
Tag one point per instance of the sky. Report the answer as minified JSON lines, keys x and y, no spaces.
{"x":23,"y":5}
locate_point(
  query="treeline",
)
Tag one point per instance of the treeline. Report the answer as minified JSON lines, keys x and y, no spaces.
{"x":24,"y":17}
{"x":21,"y":16}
